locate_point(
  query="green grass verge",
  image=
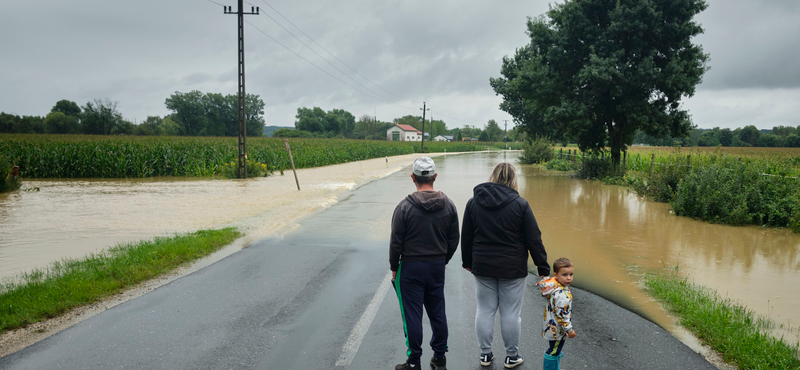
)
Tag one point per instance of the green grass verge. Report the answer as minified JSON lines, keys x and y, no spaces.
{"x":70,"y":283}
{"x":741,"y":336}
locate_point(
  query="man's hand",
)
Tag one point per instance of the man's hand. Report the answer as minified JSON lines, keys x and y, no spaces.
{"x":394,"y":275}
{"x":468,"y":269}
{"x":571,"y":334}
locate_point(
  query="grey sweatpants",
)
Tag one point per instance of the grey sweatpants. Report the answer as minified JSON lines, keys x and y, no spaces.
{"x":506,"y":295}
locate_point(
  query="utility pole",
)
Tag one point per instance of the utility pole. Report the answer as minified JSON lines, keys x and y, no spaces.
{"x":423,"y":109}
{"x":505,"y":139}
{"x":242,"y":170}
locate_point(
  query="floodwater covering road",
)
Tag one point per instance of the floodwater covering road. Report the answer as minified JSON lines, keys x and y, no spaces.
{"x":262,"y":302}
{"x":319,"y":298}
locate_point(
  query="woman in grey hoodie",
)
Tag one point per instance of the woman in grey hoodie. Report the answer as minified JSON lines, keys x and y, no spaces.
{"x":498,"y":233}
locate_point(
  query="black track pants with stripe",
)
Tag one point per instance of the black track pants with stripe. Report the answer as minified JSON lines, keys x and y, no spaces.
{"x":418,"y":284}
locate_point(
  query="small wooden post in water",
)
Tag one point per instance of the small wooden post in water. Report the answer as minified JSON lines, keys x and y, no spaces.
{"x":652,"y":160}
{"x":289,"y":150}
{"x":624,"y":160}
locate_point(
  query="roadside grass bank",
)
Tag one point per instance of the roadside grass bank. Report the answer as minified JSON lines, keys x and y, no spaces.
{"x":735,"y":186}
{"x":45,"y":293}
{"x":93,"y":156}
{"x":738,"y":334}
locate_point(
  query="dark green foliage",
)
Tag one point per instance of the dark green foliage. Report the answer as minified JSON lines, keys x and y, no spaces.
{"x":214,"y":114}
{"x":8,"y":182}
{"x":69,"y":108}
{"x":736,"y":193}
{"x":100,"y":118}
{"x":288,"y":132}
{"x":561,"y":165}
{"x":538,"y":150}
{"x":663,"y":185}
{"x":792,"y":141}
{"x":334,"y":123}
{"x":595,"y":71}
{"x":595,"y":167}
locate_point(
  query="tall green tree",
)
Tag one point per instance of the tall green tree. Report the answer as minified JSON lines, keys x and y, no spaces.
{"x":493,"y":131}
{"x":436,"y":128}
{"x":598,"y":70}
{"x":100,"y":117}
{"x":214,"y":114}
{"x":60,"y":123}
{"x":748,"y":134}
{"x":69,"y":108}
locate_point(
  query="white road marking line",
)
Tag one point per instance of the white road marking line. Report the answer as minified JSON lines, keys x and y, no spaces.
{"x":360,"y":329}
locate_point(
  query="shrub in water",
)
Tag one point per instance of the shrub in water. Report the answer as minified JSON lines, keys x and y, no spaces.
{"x":560,"y":165}
{"x":663,"y":185}
{"x":8,"y":181}
{"x":737,"y":193}
{"x":254,"y":169}
{"x":599,"y":168}
{"x":537,"y":150}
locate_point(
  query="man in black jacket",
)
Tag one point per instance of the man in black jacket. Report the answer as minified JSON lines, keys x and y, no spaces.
{"x":424,"y":238}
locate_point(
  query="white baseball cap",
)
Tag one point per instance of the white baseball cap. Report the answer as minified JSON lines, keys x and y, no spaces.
{"x":424,"y":167}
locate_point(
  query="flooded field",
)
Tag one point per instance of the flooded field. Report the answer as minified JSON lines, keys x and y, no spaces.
{"x":610,"y":234}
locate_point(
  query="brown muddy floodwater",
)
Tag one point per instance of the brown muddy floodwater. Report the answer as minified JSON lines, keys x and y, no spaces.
{"x":612,"y":236}
{"x":609,"y":233}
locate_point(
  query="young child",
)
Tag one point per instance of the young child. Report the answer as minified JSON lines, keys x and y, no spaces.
{"x":558,"y":313}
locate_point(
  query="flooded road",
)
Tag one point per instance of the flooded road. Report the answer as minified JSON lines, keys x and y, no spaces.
{"x":610,"y":234}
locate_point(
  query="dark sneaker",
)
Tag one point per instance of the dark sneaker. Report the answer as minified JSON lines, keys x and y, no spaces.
{"x":486,"y":359}
{"x":439,"y":363}
{"x":512,"y":361}
{"x":407,"y":366}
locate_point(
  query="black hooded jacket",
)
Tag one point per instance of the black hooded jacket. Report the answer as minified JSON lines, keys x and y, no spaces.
{"x":498,"y":232}
{"x":424,"y":228}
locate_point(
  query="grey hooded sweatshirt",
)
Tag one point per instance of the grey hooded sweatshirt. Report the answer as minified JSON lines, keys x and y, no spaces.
{"x":424,"y":228}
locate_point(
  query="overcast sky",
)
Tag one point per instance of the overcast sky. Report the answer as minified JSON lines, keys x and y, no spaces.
{"x":441,"y":52}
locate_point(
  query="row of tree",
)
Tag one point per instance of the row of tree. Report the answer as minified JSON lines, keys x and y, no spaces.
{"x":193,"y":114}
{"x":748,"y":136}
{"x":316,"y":122}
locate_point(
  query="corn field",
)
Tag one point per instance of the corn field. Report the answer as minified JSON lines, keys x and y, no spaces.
{"x":86,"y":156}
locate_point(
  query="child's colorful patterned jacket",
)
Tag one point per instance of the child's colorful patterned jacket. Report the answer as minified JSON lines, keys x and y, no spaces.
{"x":558,"y":313}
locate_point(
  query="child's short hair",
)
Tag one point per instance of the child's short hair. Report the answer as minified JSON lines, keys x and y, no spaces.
{"x":560,"y":264}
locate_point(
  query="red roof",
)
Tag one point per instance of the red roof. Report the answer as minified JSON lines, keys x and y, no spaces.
{"x":408,"y":128}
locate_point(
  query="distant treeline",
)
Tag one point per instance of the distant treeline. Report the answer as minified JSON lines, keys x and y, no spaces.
{"x":193,"y":114}
{"x":339,"y":123}
{"x":748,"y":136}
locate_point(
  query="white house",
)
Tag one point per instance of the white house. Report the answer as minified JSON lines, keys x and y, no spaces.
{"x":403,"y":133}
{"x":443,"y":138}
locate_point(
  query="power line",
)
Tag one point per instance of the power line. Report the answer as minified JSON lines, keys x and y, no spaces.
{"x":309,"y":62}
{"x":334,"y":56}
{"x":323,"y":58}
{"x":379,"y":97}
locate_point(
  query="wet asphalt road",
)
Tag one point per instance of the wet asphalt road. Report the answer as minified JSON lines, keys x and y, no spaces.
{"x":292,"y":303}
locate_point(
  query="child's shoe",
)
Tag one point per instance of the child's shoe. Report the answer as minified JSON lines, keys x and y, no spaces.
{"x":551,"y":362}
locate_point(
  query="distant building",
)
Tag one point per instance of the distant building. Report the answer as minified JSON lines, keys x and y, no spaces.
{"x":443,"y":138}
{"x":403,"y":133}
